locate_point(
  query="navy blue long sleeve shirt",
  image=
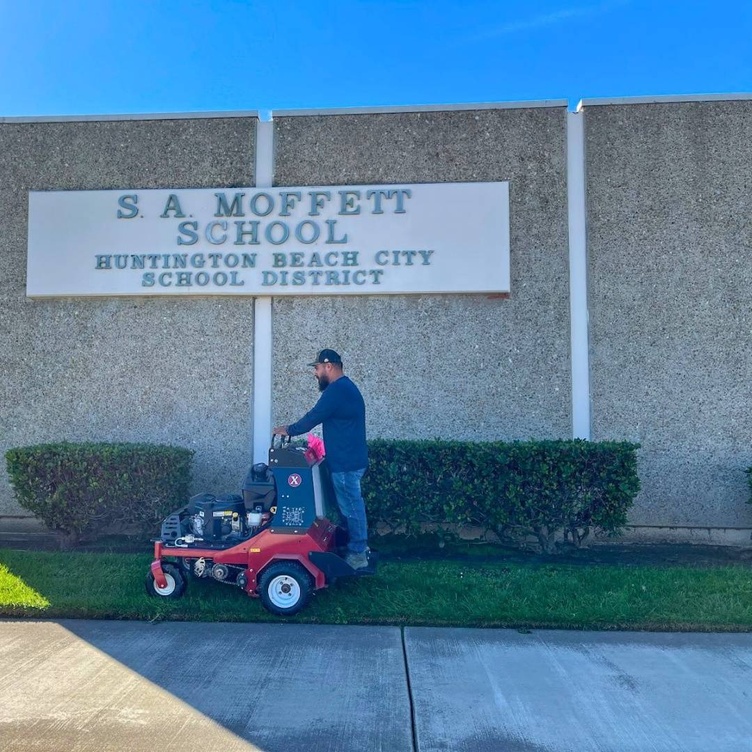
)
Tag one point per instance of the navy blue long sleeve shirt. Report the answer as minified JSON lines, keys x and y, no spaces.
{"x":342,"y":412}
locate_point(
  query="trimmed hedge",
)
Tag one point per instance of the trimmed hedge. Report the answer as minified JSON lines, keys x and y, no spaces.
{"x":540,"y":488}
{"x":80,"y":489}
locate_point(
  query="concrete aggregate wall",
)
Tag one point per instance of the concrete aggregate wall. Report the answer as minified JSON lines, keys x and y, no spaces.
{"x":669,"y":233}
{"x":464,"y":367}
{"x":669,"y":239}
{"x":124,"y":369}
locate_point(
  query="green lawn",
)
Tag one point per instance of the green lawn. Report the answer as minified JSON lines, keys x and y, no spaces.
{"x":466,"y":593}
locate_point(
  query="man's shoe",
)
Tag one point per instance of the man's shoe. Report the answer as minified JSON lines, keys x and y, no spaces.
{"x":357,"y":561}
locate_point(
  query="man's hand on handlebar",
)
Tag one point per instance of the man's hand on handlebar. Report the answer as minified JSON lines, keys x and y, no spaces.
{"x":280,"y":431}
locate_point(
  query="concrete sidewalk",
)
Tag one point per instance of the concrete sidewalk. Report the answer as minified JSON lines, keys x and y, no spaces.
{"x":104,"y":685}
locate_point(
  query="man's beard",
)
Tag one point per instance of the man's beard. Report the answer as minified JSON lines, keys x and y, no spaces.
{"x":323,"y":381}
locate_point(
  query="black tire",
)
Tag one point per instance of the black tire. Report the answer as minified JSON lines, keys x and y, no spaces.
{"x":175,"y":583}
{"x":285,"y":588}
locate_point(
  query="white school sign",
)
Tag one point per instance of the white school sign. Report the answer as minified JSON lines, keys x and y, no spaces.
{"x":322,"y":240}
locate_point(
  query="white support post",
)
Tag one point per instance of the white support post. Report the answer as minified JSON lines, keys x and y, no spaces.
{"x":262,"y":314}
{"x":578,"y":305}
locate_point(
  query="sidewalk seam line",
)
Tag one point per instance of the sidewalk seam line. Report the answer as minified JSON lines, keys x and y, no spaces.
{"x":409,"y":692}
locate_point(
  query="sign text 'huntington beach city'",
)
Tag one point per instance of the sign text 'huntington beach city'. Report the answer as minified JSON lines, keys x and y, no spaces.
{"x":330,"y":240}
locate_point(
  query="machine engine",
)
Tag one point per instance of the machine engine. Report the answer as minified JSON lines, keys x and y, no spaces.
{"x":217,"y":518}
{"x":220,"y":521}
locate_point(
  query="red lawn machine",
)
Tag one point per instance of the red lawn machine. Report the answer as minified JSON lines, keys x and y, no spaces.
{"x":275,"y":541}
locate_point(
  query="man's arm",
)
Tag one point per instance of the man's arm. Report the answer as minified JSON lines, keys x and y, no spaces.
{"x":317,"y":414}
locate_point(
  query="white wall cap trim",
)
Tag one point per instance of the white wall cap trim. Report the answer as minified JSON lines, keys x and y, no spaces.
{"x":315,"y":112}
{"x":149,"y":116}
{"x":662,"y":99}
{"x":270,"y":114}
{"x":422,"y":108}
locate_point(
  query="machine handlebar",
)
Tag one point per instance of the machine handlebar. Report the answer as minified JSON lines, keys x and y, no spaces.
{"x":279,"y":441}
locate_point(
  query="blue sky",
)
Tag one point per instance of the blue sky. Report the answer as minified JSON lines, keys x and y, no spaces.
{"x":88,"y":57}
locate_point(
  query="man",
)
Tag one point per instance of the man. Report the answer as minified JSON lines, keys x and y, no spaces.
{"x":342,"y":412}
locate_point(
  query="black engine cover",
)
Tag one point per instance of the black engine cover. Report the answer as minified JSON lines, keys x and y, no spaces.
{"x":218,"y":512}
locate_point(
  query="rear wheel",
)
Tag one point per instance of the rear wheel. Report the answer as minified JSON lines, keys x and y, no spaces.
{"x":175,"y":586}
{"x":285,"y":588}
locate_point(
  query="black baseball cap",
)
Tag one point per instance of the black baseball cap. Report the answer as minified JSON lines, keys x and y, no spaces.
{"x":327,"y":356}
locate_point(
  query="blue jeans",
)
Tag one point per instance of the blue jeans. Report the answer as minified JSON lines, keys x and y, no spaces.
{"x":352,"y":507}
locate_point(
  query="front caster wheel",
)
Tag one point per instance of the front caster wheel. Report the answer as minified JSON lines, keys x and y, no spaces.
{"x":175,"y":583}
{"x":285,"y":588}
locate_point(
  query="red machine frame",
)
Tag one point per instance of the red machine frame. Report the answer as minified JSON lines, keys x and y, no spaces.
{"x":256,"y":553}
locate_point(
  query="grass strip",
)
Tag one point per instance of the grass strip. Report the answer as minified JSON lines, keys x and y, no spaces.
{"x":419,"y":593}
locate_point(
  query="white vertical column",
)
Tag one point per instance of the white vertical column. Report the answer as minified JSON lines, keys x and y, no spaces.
{"x":262,"y":314}
{"x":578,"y":305}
